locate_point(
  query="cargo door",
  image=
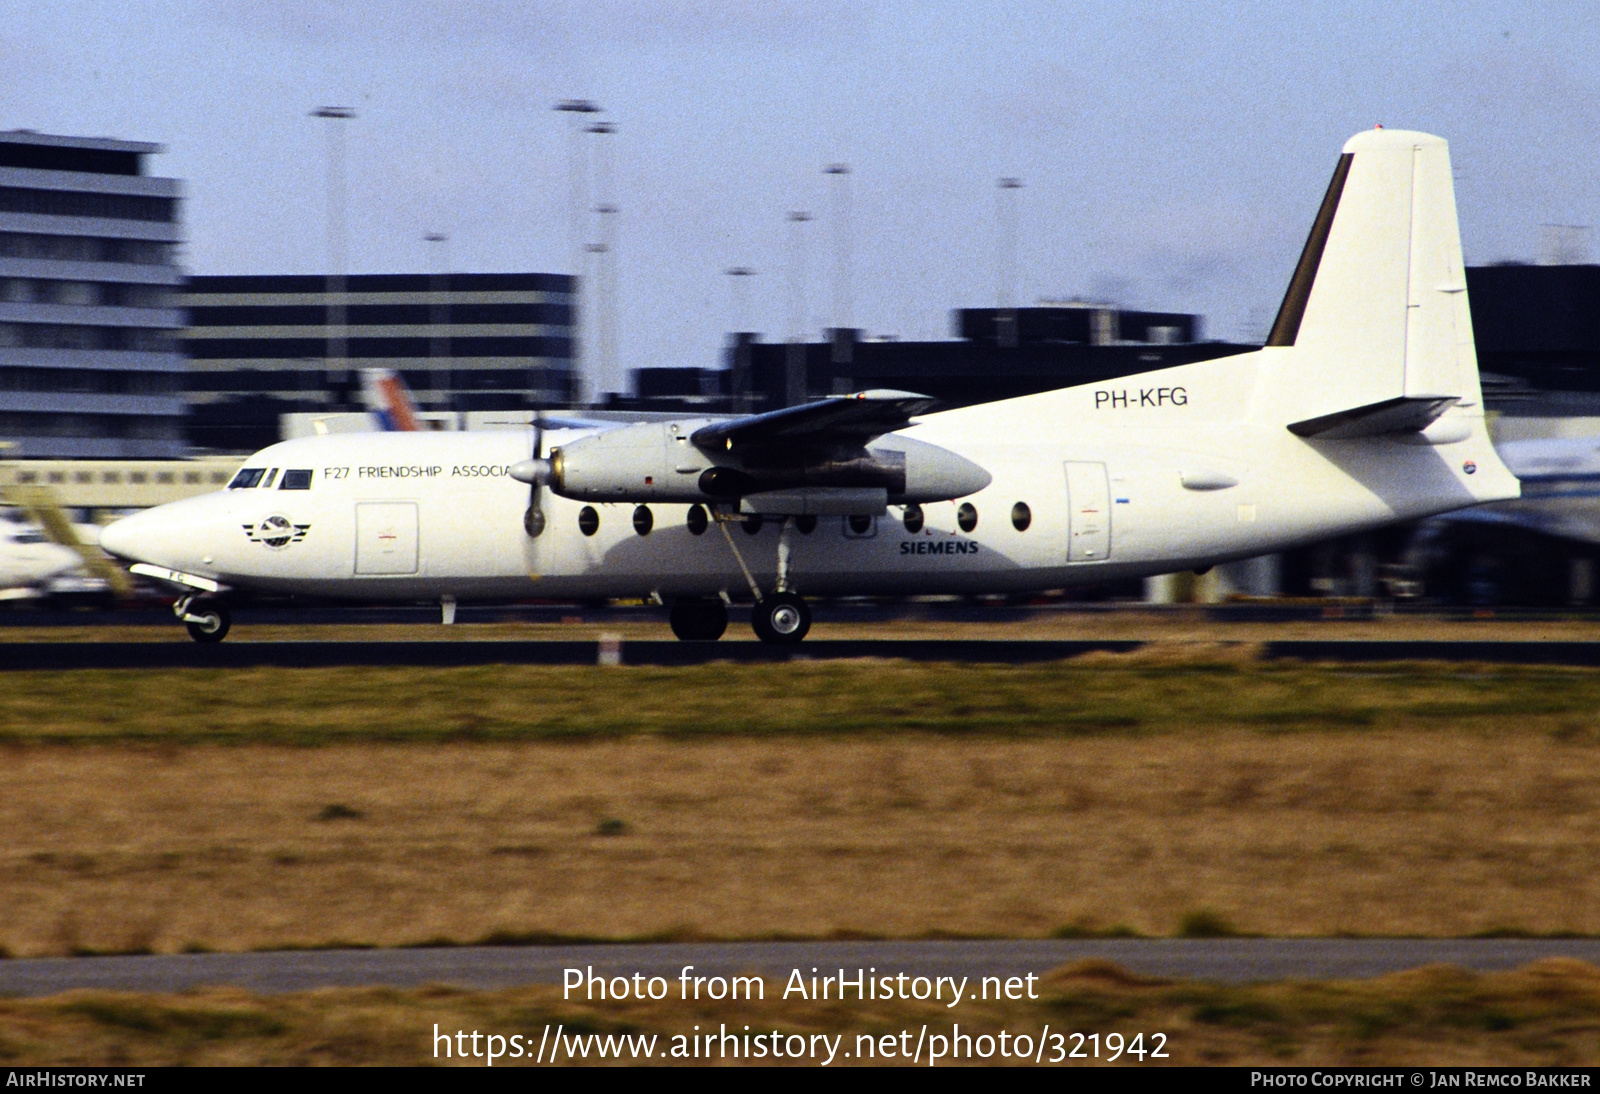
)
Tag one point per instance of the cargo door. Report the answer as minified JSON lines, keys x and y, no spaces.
{"x":386,"y":537}
{"x":1088,"y":512}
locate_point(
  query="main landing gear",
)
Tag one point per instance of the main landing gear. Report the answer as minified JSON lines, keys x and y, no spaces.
{"x":780,"y":617}
{"x":698,"y":620}
{"x":206,"y":620}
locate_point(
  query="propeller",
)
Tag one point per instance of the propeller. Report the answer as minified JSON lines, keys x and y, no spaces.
{"x":535,"y":472}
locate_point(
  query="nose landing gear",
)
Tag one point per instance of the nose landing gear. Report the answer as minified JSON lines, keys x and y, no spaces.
{"x":206,"y":620}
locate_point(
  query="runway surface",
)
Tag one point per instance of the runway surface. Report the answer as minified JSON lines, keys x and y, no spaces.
{"x":485,"y":967}
{"x":449,"y":654}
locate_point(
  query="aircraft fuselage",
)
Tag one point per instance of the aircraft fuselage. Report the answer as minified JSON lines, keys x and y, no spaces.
{"x":1143,"y":475}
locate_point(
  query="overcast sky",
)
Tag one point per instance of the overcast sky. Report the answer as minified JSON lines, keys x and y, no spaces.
{"x":1172,"y":154}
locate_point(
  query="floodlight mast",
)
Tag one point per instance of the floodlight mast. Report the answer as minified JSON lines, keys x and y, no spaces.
{"x":442,"y":380}
{"x":578,"y":183}
{"x":336,"y":345}
{"x":1005,"y":263}
{"x":608,"y":377}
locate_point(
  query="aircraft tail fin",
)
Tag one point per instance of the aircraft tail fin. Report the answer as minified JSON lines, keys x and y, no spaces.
{"x":389,"y":400}
{"x":1375,"y":318}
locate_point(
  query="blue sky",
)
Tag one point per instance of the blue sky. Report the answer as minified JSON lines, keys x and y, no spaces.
{"x":1172,"y":154}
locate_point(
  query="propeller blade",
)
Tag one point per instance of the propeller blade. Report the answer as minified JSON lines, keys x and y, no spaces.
{"x":533,"y":472}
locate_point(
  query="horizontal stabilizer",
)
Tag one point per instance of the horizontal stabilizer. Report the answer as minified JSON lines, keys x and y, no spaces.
{"x":1404,"y":414}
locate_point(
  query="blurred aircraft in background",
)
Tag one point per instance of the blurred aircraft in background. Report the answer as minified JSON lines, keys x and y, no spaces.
{"x":29,"y":560}
{"x":387,"y":399}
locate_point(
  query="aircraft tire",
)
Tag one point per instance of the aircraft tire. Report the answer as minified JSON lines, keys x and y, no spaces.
{"x":781,"y":619}
{"x":213,"y":625}
{"x":698,"y":620}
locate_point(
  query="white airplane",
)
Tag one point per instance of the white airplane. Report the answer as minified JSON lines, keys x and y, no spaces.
{"x":29,"y":560}
{"x":1363,"y":409}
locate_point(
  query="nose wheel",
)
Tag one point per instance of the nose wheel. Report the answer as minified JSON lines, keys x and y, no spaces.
{"x":205,"y":620}
{"x":781,"y":618}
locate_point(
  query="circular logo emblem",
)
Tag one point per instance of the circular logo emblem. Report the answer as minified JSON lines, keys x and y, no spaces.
{"x":275,"y":531}
{"x":1469,"y":467}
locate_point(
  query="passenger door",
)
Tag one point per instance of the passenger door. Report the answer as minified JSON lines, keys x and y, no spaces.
{"x":1088,"y":512}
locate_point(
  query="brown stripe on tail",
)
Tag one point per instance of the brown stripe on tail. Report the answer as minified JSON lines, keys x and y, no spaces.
{"x":1287,"y":325}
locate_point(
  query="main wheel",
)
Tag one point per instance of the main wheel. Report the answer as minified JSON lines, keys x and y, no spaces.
{"x":781,"y":618}
{"x":211,"y":624}
{"x":698,"y":620}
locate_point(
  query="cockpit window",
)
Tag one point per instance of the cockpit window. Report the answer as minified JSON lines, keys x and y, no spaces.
{"x":295,"y":480}
{"x":247,"y":478}
{"x":29,"y":535}
{"x":266,"y":483}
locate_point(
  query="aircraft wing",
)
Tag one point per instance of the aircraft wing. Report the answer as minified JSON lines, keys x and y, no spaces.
{"x":859,"y":418}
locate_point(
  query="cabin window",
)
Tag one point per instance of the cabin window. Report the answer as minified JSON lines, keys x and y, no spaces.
{"x":247,"y":479}
{"x":807,"y":523}
{"x":1021,"y":516}
{"x":860,"y":523}
{"x":967,"y":516}
{"x":588,"y":520}
{"x":296,"y":479}
{"x":913,"y":518}
{"x":752,"y":524}
{"x":642,"y":520}
{"x":697,"y":520}
{"x":165,"y":477}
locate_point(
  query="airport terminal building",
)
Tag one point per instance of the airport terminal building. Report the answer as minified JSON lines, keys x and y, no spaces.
{"x":89,"y":361}
{"x":263,"y":346}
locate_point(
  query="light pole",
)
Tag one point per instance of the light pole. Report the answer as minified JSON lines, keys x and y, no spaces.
{"x":741,"y":297}
{"x":794,"y":385}
{"x":738,"y":352}
{"x":577,"y":177}
{"x":605,"y":252}
{"x":1005,"y":262}
{"x":337,"y":342}
{"x":443,"y":379}
{"x":843,"y":326}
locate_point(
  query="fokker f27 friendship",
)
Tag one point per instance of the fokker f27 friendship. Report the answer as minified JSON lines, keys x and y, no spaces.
{"x":1362,"y":409}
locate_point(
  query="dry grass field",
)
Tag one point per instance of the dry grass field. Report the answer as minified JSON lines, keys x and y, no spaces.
{"x":1154,"y":794}
{"x":1546,"y":1014}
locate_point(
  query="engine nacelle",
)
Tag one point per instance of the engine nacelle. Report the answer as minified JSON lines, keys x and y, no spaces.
{"x":657,"y":462}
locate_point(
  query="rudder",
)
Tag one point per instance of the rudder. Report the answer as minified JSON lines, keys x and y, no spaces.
{"x":1376,"y":315}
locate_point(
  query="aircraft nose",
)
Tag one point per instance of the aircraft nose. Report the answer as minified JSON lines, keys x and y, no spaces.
{"x":121,"y":537}
{"x":143,"y":537}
